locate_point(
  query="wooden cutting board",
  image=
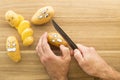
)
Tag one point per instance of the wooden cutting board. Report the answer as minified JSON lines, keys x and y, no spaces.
{"x":89,"y":22}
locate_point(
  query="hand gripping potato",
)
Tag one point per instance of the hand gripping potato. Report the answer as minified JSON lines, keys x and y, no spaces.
{"x":23,"y":26}
{"x":56,"y":39}
{"x":12,"y":48}
{"x":43,"y":15}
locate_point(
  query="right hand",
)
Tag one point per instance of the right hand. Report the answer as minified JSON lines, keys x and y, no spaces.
{"x":92,"y":63}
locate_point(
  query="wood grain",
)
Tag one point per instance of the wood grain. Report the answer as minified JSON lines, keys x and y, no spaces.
{"x":90,"y":22}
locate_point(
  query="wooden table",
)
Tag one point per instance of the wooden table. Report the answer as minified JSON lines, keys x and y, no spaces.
{"x":89,"y":22}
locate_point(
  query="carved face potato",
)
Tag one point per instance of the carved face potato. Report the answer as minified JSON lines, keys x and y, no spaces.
{"x":56,"y":39}
{"x":13,"y":18}
{"x":12,"y":48}
{"x":43,"y":15}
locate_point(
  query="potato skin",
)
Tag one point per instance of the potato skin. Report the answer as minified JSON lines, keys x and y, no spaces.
{"x":56,"y":39}
{"x":43,"y":15}
{"x":13,"y":50}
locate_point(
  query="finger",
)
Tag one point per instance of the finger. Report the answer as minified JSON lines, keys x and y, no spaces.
{"x":83,"y":49}
{"x":65,"y":51}
{"x":39,"y":48}
{"x":78,"y":56}
{"x":45,"y":46}
{"x":71,"y":52}
{"x":39,"y":40}
{"x":40,"y":52}
{"x":92,"y":50}
{"x":36,"y":49}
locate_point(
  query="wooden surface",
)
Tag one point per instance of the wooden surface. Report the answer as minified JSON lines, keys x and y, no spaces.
{"x":90,"y":22}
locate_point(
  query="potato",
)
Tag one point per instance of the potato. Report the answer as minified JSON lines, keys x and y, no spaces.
{"x":28,"y":41}
{"x":56,"y":39}
{"x":43,"y":15}
{"x":26,"y":33}
{"x":12,"y":47}
{"x":12,"y":18}
{"x":23,"y":26}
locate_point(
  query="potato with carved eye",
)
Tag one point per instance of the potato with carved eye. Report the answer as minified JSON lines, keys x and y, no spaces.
{"x":56,"y":39}
{"x":13,"y":18}
{"x":43,"y":15}
{"x":12,"y":48}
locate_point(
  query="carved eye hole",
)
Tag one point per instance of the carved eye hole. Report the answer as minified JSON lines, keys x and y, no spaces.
{"x":43,"y":14}
{"x":9,"y":20}
{"x":53,"y":40}
{"x":55,"y":35}
{"x":46,"y":15}
{"x":11,"y":46}
{"x":14,"y":44}
{"x":44,"y":11}
{"x":59,"y":40}
{"x":40,"y":16}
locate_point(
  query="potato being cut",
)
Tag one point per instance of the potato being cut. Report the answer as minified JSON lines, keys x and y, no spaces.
{"x":56,"y":39}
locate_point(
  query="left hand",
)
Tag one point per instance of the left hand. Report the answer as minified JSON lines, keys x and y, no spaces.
{"x":56,"y":66}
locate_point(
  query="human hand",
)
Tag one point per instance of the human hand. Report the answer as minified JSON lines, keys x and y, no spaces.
{"x":56,"y":66}
{"x":93,"y":64}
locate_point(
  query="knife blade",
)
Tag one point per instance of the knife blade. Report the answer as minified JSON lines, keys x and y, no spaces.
{"x":64,"y":35}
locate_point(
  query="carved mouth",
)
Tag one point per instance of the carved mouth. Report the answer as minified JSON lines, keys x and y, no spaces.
{"x":11,"y":49}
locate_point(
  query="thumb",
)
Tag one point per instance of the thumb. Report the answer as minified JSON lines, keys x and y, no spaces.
{"x":65,"y":51}
{"x":78,"y":56}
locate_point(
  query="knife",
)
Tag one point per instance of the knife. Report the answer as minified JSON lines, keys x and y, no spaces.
{"x":64,"y":35}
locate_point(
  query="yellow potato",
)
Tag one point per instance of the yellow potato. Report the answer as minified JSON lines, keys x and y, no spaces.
{"x":21,"y":18}
{"x":22,"y":26}
{"x":26,"y":33}
{"x":56,"y":39}
{"x":12,"y":48}
{"x":43,"y":15}
{"x":28,"y":41}
{"x":12,"y":18}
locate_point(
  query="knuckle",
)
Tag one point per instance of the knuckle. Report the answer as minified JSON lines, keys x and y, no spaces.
{"x":43,"y":59}
{"x":46,"y":59}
